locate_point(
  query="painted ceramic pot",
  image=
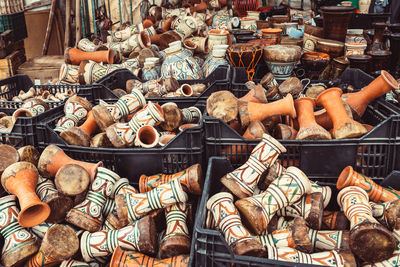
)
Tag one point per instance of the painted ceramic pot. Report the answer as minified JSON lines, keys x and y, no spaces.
{"x":149,"y":72}
{"x":354,"y":49}
{"x":314,"y":63}
{"x":179,"y":66}
{"x":31,"y":108}
{"x":272,"y":35}
{"x":253,"y":14}
{"x":362,"y":62}
{"x":336,"y":21}
{"x":281,"y":59}
{"x":69,"y":74}
{"x":90,"y":71}
{"x":200,"y":42}
{"x":89,"y":46}
{"x":355,"y":36}
{"x":248,"y":23}
{"x":187,"y":26}
{"x":218,"y":37}
{"x":157,"y":63}
{"x":221,"y":21}
{"x":218,"y":59}
{"x":332,"y":48}
{"x":245,"y":55}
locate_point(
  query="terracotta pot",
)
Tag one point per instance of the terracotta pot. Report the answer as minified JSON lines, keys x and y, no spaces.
{"x":20,"y":244}
{"x":281,"y":59}
{"x":228,"y":221}
{"x":53,"y":158}
{"x":354,"y":202}
{"x":76,"y":108}
{"x":343,"y":125}
{"x":147,"y":137}
{"x":309,"y":129}
{"x":59,"y":243}
{"x":359,"y":101}
{"x":80,"y":136}
{"x":190,"y":178}
{"x":335,"y":220}
{"x":284,"y":132}
{"x":362,"y":62}
{"x":87,"y":215}
{"x":131,"y":258}
{"x":75,"y":56}
{"x":380,"y":60}
{"x":291,"y":86}
{"x":255,"y":130}
{"x":376,"y":193}
{"x":314,"y":63}
{"x":253,"y":209}
{"x":336,"y":21}
{"x":273,"y":36}
{"x":129,"y":209}
{"x":20,"y":179}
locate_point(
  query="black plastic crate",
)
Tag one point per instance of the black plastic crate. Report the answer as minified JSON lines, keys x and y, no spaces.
{"x":372,"y":154}
{"x":15,"y":22}
{"x":219,"y":79}
{"x":24,"y":130}
{"x":186,"y":149}
{"x":209,"y":247}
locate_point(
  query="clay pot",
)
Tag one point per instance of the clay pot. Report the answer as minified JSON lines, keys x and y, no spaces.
{"x":359,"y":101}
{"x":69,"y":74}
{"x":80,"y":136}
{"x":75,"y":56}
{"x":165,"y":139}
{"x":253,"y":209}
{"x":248,"y":23}
{"x":218,"y":59}
{"x":147,"y":137}
{"x":362,"y":62}
{"x":354,"y":202}
{"x":314,"y":63}
{"x":76,"y":108}
{"x":281,"y":59}
{"x":131,"y":258}
{"x":31,"y":108}
{"x":228,"y":221}
{"x":255,"y":130}
{"x":20,"y":244}
{"x":190,"y":178}
{"x":218,"y":37}
{"x":59,"y":243}
{"x":343,"y":125}
{"x":20,"y":179}
{"x":129,"y":209}
{"x":8,"y":156}
{"x":376,"y":193}
{"x":336,"y":21}
{"x":87,"y":215}
{"x":335,"y":220}
{"x":332,"y":48}
{"x":272,"y":35}
{"x":308,"y":128}
{"x":380,"y":60}
{"x":188,"y":25}
{"x":53,"y":158}
{"x":200,"y":42}
{"x":266,"y":152}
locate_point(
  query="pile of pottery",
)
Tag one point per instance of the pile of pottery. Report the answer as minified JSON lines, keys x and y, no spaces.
{"x":252,"y":115}
{"x":74,"y":213}
{"x":130,"y":121}
{"x":277,"y":213}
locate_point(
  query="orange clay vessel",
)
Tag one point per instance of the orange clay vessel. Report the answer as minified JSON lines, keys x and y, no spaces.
{"x":343,"y":125}
{"x":53,"y":158}
{"x":308,"y":128}
{"x":75,"y":56}
{"x":80,"y":136}
{"x":376,"y":193}
{"x":20,"y":179}
{"x":123,"y":258}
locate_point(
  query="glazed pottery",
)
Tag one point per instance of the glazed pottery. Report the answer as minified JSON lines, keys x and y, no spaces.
{"x":248,"y":23}
{"x":75,"y":263}
{"x":359,"y":101}
{"x":324,"y":240}
{"x":273,"y":172}
{"x":69,"y":74}
{"x":76,"y":108}
{"x":354,"y":202}
{"x":80,"y":136}
{"x":75,"y":56}
{"x":123,"y":134}
{"x":294,"y":236}
{"x":105,"y":115}
{"x":245,"y":55}
{"x":258,"y":210}
{"x":355,"y":36}
{"x":123,"y":258}
{"x":90,"y":71}
{"x":243,"y":181}
{"x":19,"y":243}
{"x":362,"y":62}
{"x":88,"y":46}
{"x":122,"y":35}
{"x":281,"y":59}
{"x":332,"y":48}
{"x":139,"y":236}
{"x":131,"y":207}
{"x":30,"y":108}
{"x":218,"y":37}
{"x":354,"y":49}
{"x":380,"y":60}
{"x":53,"y":158}
{"x":149,"y":72}
{"x":218,"y":59}
{"x":20,"y":179}
{"x":200,"y":42}
{"x":327,"y":258}
{"x":72,"y":180}
{"x":59,"y":243}
{"x":186,"y":27}
{"x":147,"y":137}
{"x":272,"y":35}
{"x":228,"y":221}
{"x":87,"y":215}
{"x":314,"y":63}
{"x":221,"y":21}
{"x":308,"y":128}
{"x":376,"y":193}
{"x":58,"y":203}
{"x":335,"y":220}
{"x":336,"y":21}
{"x":176,"y":240}
{"x":190,"y":178}
{"x":343,"y":125}
{"x":179,"y":65}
